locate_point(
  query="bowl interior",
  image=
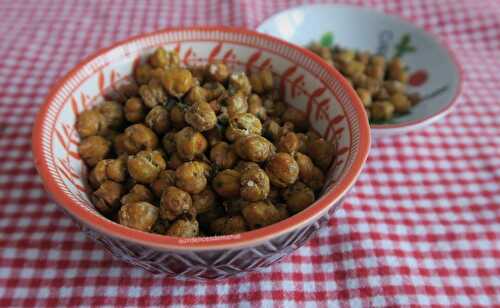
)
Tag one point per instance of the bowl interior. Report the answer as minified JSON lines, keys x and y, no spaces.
{"x":433,"y":72}
{"x":306,"y":83}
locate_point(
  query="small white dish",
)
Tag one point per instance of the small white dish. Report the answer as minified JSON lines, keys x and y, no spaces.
{"x":434,"y":72}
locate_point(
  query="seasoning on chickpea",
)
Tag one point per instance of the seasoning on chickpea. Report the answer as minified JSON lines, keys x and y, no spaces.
{"x":184,"y":228}
{"x":192,"y":176}
{"x":254,"y":184}
{"x":158,"y":120}
{"x":190,"y":143}
{"x":145,"y":166}
{"x":200,"y":116}
{"x":177,"y":81}
{"x":241,"y":125}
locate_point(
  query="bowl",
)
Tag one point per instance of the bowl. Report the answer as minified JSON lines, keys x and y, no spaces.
{"x":434,"y":72}
{"x":308,"y":84}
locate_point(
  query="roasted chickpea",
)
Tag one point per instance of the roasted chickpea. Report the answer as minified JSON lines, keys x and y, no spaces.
{"x":381,"y":95}
{"x":192,"y":176}
{"x":174,"y":161}
{"x":223,"y":155}
{"x":235,"y":104}
{"x":90,"y":123}
{"x":126,"y":91}
{"x":190,"y":143}
{"x":303,"y":141}
{"x":160,"y":226}
{"x":200,"y":116}
{"x":394,"y":86}
{"x":135,"y":110}
{"x":138,"y":215}
{"x":168,"y":142}
{"x":152,"y":94}
{"x":177,"y":81}
{"x":242,"y":165}
{"x":256,"y":108}
{"x":289,"y":143}
{"x":297,"y":117}
{"x":272,"y":130}
{"x":215,"y":90}
{"x":352,"y":68}
{"x":282,"y":170}
{"x":175,"y":202}
{"x":414,"y":98}
{"x":227,"y":183}
{"x":94,"y":149}
{"x":206,"y":218}
{"x":305,"y":166}
{"x":254,"y":184}
{"x":260,"y":214}
{"x":145,"y":166}
{"x":204,"y":201}
{"x":136,"y":138}
{"x":254,"y":148}
{"x":158,"y":120}
{"x":138,"y":193}
{"x":197,"y":94}
{"x":213,"y":136}
{"x":365,"y":96}
{"x":274,"y":108}
{"x":113,"y":114}
{"x":218,"y":72}
{"x":396,"y":70}
{"x":238,"y":82}
{"x":177,"y":117}
{"x":242,"y":125}
{"x":184,"y":228}
{"x":228,"y":225}
{"x":298,"y":196}
{"x":262,"y":81}
{"x":382,"y":110}
{"x":321,"y":152}
{"x":165,"y":179}
{"x":164,"y":59}
{"x":316,"y":180}
{"x":108,"y":169}
{"x":312,"y":135}
{"x":401,"y":103}
{"x":375,"y":71}
{"x":143,"y":73}
{"x":107,"y":198}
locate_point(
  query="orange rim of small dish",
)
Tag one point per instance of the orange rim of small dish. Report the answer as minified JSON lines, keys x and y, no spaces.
{"x":246,"y":239}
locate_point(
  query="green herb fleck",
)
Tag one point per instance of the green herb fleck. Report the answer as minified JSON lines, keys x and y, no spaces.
{"x":327,"y":39}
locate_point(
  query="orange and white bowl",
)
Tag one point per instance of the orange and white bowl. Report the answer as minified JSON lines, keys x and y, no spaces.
{"x":306,"y":82}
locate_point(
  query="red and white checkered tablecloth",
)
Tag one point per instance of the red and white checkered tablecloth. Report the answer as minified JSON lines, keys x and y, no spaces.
{"x":421,"y":227}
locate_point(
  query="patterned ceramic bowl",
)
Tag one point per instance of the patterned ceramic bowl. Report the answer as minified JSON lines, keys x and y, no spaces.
{"x":434,"y":72}
{"x":306,"y":82}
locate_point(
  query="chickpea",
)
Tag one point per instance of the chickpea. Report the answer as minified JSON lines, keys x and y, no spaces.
{"x":177,"y":81}
{"x":289,"y":143}
{"x":216,"y":106}
{"x":298,"y":196}
{"x":94,"y":149}
{"x":305,"y":166}
{"x":136,"y":138}
{"x":177,"y":117}
{"x":272,"y":130}
{"x":256,"y":108}
{"x":234,"y":206}
{"x":375,"y":71}
{"x":282,"y":170}
{"x":242,"y":165}
{"x":143,"y":73}
{"x":168,"y":142}
{"x":397,"y":71}
{"x":204,"y":201}
{"x":242,"y":125}
{"x":260,"y":214}
{"x":164,"y":59}
{"x":297,"y":117}
{"x":108,"y":169}
{"x":152,"y":93}
{"x":213,"y":136}
{"x":218,"y":72}
{"x":381,"y":95}
{"x":394,"y":86}
{"x":262,"y":81}
{"x":196,"y":95}
{"x":236,"y":104}
{"x":113,"y":114}
{"x":161,"y":226}
{"x":321,"y":152}
{"x":223,"y":155}
{"x":282,"y":211}
{"x":107,"y":198}
{"x":145,"y":166}
{"x":174,"y":161}
{"x":401,"y":103}
{"x":344,"y":56}
{"x":382,"y":110}
{"x":174,"y":203}
{"x":274,"y":108}
{"x":138,"y":193}
{"x":90,"y":123}
{"x":205,"y":219}
{"x":215,"y":90}
{"x":184,"y":228}
{"x":353,"y":68}
{"x":312,"y":135}
{"x":254,"y":184}
{"x":254,"y":148}
{"x":158,"y":120}
{"x":238,"y":82}
{"x":165,"y":179}
{"x":365,"y":96}
{"x":363,"y":57}
{"x":228,"y":225}
{"x":127,"y":91}
{"x":135,"y":110}
{"x":198,"y":72}
{"x":190,"y":143}
{"x":192,"y":176}
{"x":414,"y":98}
{"x":227,"y":183}
{"x":200,"y":116}
{"x":303,"y":141}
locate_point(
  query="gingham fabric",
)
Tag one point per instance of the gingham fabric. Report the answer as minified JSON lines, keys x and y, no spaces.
{"x":421,"y":227}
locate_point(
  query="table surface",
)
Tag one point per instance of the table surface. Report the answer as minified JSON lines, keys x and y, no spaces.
{"x":421,"y":226}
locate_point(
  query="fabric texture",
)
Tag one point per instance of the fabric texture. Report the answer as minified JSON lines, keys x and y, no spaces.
{"x":421,"y":227}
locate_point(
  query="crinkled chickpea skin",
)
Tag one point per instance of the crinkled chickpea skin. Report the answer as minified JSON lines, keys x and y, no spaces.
{"x":200,"y":116}
{"x":256,"y":108}
{"x":174,"y":203}
{"x":190,"y":143}
{"x":138,"y":193}
{"x":242,"y":125}
{"x":282,"y":170}
{"x":107,"y":198}
{"x":238,"y":82}
{"x":145,"y":166}
{"x":289,"y":143}
{"x":218,"y":72}
{"x":177,"y":117}
{"x":94,"y":149}
{"x":235,"y":104}
{"x":108,"y":169}
{"x":162,"y":58}
{"x":192,"y":176}
{"x":254,"y":148}
{"x":113,"y":113}
{"x":177,"y":81}
{"x":158,"y":120}
{"x":254,"y":184}
{"x":297,"y":117}
{"x":136,"y":138}
{"x":90,"y":123}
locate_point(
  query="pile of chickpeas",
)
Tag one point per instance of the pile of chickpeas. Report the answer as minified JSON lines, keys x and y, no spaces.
{"x":200,"y":151}
{"x":380,"y":83}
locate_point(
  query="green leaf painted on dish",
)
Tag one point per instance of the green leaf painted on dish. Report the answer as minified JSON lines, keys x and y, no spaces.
{"x":404,"y":46}
{"x":327,"y":39}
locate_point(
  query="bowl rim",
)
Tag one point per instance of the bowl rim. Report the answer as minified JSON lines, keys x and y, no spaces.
{"x":388,"y":129}
{"x":161,"y":242}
